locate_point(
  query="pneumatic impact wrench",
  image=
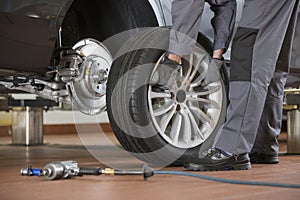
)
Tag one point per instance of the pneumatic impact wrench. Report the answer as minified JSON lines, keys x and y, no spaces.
{"x":68,"y":169}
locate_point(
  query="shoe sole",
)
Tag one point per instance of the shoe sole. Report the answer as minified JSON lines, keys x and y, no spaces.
{"x":196,"y":167}
{"x":263,"y":159}
{"x":264,"y":162}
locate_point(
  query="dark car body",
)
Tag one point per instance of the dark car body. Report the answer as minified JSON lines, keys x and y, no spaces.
{"x":54,"y":48}
{"x":29,"y":30}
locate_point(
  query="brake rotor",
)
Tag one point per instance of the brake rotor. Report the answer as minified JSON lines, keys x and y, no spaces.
{"x":88,"y":91}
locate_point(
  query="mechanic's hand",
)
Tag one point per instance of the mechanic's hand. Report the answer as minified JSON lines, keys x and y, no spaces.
{"x":213,"y":71}
{"x":167,"y":70}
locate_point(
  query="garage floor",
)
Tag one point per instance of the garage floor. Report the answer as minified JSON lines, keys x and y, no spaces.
{"x":70,"y":147}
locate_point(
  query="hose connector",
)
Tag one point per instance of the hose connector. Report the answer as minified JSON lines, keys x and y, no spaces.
{"x":109,"y":171}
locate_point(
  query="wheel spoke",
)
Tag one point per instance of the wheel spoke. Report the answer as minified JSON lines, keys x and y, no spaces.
{"x":186,"y":127}
{"x":204,"y":118}
{"x":200,"y":77}
{"x":166,"y":119}
{"x":202,"y":100}
{"x":175,"y":130}
{"x":154,"y":95}
{"x":195,"y":126}
{"x":163,"y":109}
{"x":198,"y":81}
{"x":187,"y":78}
{"x":208,"y":92}
{"x":197,"y":64}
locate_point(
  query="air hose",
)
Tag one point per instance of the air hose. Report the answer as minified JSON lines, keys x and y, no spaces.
{"x":239,"y":182}
{"x":68,"y":169}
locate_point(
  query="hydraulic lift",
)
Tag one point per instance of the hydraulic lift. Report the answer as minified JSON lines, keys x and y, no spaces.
{"x":293,"y":120}
{"x":27,"y":119}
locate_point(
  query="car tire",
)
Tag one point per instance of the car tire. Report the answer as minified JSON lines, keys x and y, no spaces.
{"x":190,"y":126}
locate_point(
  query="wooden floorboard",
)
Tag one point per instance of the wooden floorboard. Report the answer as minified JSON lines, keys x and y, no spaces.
{"x":103,"y":150}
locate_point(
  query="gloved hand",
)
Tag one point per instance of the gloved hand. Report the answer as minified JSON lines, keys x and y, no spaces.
{"x":164,"y":72}
{"x":213,"y":71}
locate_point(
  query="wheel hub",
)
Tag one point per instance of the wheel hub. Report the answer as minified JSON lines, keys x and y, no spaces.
{"x":96,"y":76}
{"x":181,"y":96}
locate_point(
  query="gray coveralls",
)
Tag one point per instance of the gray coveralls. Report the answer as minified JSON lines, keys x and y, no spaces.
{"x":186,"y":16}
{"x":260,"y":60}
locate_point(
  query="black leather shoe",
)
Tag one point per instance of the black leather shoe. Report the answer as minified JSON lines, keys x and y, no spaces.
{"x":217,"y":160}
{"x":262,"y":158}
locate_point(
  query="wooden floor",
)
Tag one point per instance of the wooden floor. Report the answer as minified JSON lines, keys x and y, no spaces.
{"x":70,"y":147}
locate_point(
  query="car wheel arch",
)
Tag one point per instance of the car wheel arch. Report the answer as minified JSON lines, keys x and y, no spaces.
{"x":103,"y":19}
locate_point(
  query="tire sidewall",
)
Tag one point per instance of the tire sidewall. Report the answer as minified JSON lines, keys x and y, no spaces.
{"x":146,"y":143}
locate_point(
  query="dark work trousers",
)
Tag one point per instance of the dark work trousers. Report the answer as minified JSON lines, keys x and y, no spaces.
{"x":260,"y":60}
{"x":186,"y":17}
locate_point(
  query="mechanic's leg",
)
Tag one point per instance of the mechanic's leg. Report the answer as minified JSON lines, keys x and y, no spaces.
{"x":223,"y":24}
{"x":253,"y":61}
{"x":265,"y":149}
{"x":271,"y":120}
{"x":186,"y":17}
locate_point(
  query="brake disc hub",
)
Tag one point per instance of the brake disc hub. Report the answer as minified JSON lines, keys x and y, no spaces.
{"x":95,"y":71}
{"x":88,"y":90}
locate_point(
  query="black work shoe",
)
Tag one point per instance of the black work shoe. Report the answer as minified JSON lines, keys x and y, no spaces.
{"x":165,"y":71}
{"x":217,"y":160}
{"x":262,"y":158}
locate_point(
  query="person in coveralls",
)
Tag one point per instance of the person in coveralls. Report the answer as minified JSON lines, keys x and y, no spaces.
{"x":260,"y":60}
